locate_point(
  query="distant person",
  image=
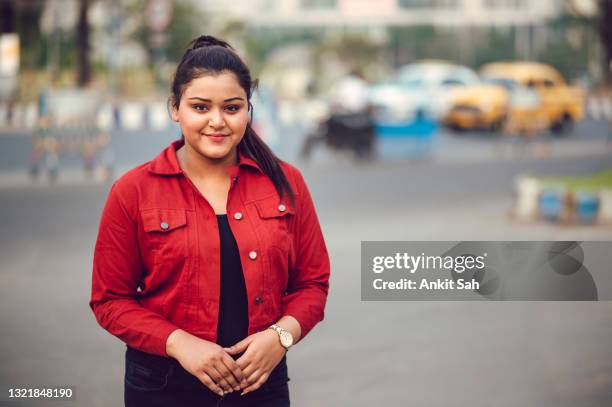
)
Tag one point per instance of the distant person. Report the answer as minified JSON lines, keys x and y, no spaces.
{"x":350,"y":124}
{"x":37,"y":155}
{"x":210,"y":262}
{"x":350,"y":94}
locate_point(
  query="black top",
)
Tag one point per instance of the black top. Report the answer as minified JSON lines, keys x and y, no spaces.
{"x":233,"y":309}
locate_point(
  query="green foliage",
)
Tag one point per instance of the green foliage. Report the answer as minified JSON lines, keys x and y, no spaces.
{"x":499,"y":47}
{"x":569,"y":46}
{"x":33,"y":46}
{"x":187,"y":23}
{"x":259,"y":43}
{"x":571,"y":58}
{"x":599,"y":180}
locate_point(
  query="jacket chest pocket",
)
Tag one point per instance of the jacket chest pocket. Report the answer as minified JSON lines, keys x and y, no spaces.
{"x":274,"y":223}
{"x":274,"y":227}
{"x":165,"y":237}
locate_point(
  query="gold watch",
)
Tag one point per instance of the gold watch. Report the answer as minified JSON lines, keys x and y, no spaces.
{"x":286,"y":339}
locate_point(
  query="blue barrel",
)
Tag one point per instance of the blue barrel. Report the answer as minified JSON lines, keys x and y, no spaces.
{"x":587,"y":206}
{"x":410,"y":139}
{"x":551,"y":203}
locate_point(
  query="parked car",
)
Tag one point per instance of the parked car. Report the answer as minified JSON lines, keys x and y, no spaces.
{"x":560,"y":105}
{"x":481,"y":106}
{"x":421,"y":88}
{"x":524,"y":115}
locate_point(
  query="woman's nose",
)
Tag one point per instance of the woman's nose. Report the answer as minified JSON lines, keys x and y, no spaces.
{"x":216,"y":119}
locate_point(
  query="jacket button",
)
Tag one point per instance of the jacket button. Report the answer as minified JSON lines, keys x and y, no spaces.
{"x":282,"y":208}
{"x":164,"y":225}
{"x":238,"y":215}
{"x":258,"y":300}
{"x":252,"y":255}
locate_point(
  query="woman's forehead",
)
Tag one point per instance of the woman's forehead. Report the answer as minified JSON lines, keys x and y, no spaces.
{"x":220,"y":86}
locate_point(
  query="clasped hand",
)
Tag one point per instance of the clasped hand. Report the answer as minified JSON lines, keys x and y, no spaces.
{"x":216,"y":369}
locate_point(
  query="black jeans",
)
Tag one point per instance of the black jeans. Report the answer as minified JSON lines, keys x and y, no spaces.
{"x":155,"y":381}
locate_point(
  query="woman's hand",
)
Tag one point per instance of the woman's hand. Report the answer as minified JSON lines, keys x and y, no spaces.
{"x":207,"y":361}
{"x":263,"y":353}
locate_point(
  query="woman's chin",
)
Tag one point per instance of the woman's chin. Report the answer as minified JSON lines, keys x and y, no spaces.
{"x":215,"y":152}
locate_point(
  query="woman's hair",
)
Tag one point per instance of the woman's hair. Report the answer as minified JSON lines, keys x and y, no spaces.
{"x":208,"y":55}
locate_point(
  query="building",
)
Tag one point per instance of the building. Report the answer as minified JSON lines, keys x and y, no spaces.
{"x":384,"y":13}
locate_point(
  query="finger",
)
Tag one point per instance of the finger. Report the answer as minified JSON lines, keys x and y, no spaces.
{"x":246,"y":359}
{"x":227,"y":374}
{"x":251,"y":380}
{"x":208,"y":382}
{"x":248,"y":372}
{"x":253,"y":377}
{"x":235,"y":370}
{"x":222,"y":381}
{"x":212,"y":372}
{"x":262,"y":379}
{"x":239,"y":347}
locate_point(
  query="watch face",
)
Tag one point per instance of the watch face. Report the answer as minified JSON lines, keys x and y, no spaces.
{"x":286,"y":339}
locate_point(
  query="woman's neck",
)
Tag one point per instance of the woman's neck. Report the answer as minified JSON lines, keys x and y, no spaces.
{"x":197,"y":166}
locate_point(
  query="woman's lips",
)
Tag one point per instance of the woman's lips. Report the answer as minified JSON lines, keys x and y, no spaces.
{"x":217,"y":137}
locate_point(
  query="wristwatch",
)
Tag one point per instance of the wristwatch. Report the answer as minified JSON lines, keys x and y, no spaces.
{"x":286,"y":339}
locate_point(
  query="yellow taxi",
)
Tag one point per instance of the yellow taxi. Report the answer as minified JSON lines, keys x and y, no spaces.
{"x":524,"y":115}
{"x":481,"y":106}
{"x":523,"y":97}
{"x":560,"y":105}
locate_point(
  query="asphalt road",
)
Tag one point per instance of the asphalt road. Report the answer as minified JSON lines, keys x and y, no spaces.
{"x":363,"y":353}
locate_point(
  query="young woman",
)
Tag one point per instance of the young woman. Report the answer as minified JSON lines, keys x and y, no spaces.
{"x":210,"y":262}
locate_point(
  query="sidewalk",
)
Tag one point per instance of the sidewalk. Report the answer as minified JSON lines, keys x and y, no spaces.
{"x":323,"y":158}
{"x":487,"y":221}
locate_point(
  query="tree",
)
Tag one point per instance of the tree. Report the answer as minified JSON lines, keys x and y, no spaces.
{"x":82,"y":39}
{"x":7,"y":16}
{"x":605,"y":32}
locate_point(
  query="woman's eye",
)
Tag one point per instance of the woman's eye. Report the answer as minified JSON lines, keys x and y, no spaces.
{"x":200,"y":108}
{"x":233,"y":108}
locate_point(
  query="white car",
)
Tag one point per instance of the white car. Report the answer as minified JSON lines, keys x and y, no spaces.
{"x":423,"y":88}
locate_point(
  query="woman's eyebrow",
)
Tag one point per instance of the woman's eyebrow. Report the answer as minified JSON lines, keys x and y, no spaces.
{"x":210,"y":101}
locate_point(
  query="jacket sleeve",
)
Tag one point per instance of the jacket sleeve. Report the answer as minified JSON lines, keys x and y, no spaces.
{"x":117,"y":271}
{"x":309,"y":280}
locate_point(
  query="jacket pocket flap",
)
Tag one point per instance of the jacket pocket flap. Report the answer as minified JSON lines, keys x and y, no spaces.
{"x":272,"y":207}
{"x":163,"y":220}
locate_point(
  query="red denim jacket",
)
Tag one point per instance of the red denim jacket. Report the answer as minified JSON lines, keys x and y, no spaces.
{"x":157,"y":257}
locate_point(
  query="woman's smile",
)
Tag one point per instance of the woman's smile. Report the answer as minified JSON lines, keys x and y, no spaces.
{"x":217,"y":137}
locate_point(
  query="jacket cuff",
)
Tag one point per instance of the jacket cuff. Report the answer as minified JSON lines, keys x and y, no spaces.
{"x":306,"y":319}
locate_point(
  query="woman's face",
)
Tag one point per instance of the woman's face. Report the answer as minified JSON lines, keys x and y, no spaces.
{"x":213,"y":115}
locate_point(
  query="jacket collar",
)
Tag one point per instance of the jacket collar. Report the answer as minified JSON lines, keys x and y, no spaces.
{"x":166,"y":162}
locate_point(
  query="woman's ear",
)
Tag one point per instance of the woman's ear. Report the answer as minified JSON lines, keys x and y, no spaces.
{"x":172,"y":110}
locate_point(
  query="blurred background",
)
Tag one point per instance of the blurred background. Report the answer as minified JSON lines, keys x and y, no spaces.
{"x":410,"y":119}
